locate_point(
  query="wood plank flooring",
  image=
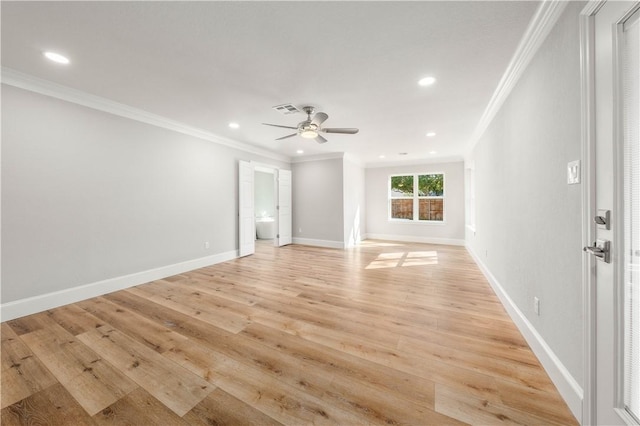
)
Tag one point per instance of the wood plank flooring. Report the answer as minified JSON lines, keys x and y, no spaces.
{"x":386,"y":333}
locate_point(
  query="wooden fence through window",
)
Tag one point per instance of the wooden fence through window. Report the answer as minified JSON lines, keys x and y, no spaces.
{"x":429,"y":209}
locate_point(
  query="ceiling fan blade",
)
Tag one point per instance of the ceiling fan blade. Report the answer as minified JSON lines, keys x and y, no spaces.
{"x":277,"y":125}
{"x":340,"y":130}
{"x":319,"y":118}
{"x":320,"y":139}
{"x":288,"y":136}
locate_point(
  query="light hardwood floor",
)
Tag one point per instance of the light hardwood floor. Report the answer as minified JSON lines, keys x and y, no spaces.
{"x":387,"y":333}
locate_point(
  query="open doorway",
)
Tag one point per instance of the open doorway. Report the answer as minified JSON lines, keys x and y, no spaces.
{"x":264,"y":196}
{"x":279,"y":229}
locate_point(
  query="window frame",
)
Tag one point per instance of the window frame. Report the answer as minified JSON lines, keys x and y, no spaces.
{"x":416,"y":199}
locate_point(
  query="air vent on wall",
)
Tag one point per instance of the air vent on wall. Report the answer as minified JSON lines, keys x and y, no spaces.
{"x":286,"y":109}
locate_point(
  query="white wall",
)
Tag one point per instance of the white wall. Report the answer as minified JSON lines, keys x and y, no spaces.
{"x":318,"y":206}
{"x":264,"y":190}
{"x":528,"y":222}
{"x":354,"y":190}
{"x":88,"y":196}
{"x":451,"y":231}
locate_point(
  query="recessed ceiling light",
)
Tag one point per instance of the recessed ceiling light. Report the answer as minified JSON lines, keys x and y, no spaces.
{"x":56,"y":57}
{"x":427,"y":81}
{"x":433,"y":152}
{"x":234,"y":125}
{"x":431,"y":134}
{"x":380,"y":156}
{"x":300,"y":151}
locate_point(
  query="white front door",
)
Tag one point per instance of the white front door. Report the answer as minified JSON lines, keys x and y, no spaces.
{"x":615,"y":399}
{"x":284,"y":208}
{"x":246,"y":215}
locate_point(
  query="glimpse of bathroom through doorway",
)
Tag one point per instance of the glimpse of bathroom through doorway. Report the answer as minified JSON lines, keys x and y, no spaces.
{"x":265,"y":202}
{"x":274,"y":215}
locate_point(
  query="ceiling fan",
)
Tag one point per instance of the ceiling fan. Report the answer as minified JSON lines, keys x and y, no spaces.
{"x":311,"y":127}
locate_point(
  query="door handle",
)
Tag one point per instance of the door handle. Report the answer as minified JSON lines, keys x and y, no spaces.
{"x":601,"y":250}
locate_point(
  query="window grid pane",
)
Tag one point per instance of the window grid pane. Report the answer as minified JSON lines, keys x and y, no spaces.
{"x":402,"y":209}
{"x":431,"y":185}
{"x":431,"y":209}
{"x":401,"y":186}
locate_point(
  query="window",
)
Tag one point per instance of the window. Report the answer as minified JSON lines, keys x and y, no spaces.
{"x":417,"y":197}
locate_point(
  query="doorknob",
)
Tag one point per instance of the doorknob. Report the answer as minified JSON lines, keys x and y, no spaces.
{"x":601,"y":250}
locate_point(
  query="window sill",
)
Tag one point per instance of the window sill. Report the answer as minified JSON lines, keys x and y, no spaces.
{"x":414,"y":222}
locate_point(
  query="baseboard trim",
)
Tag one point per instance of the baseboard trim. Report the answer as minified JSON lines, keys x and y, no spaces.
{"x":569,"y":389}
{"x":319,"y":243}
{"x":412,"y":239}
{"x":35,"y":304}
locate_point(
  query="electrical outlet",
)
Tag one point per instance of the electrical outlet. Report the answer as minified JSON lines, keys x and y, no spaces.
{"x":536,"y":305}
{"x":206,"y":244}
{"x":300,"y":230}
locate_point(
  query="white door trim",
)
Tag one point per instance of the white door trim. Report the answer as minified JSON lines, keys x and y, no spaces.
{"x":285,"y":211}
{"x":246,"y":215}
{"x":617,"y":245}
{"x":587,"y":78}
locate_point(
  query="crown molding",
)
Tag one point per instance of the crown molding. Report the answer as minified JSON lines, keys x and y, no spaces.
{"x":330,"y":156}
{"x":318,"y":157}
{"x":539,"y":28}
{"x":417,"y":162}
{"x":28,"y":82}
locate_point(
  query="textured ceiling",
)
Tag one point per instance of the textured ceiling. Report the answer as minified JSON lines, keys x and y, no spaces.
{"x":206,"y":64}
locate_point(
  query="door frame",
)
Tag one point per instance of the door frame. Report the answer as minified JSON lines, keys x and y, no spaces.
{"x":588,"y":136}
{"x":587,"y":110}
{"x":269,"y":168}
{"x":284,"y":207}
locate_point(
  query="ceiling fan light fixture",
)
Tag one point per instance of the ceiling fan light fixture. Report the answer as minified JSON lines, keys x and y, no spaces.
{"x":309,"y":133}
{"x":311,"y":127}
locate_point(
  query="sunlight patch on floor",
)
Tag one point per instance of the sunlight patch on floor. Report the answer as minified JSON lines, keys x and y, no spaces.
{"x":383,"y":256}
{"x":401,"y":259}
{"x":368,"y":243}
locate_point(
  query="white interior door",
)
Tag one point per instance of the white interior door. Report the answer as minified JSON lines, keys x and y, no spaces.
{"x":284,"y":208}
{"x":611,"y":384}
{"x":246,"y":219}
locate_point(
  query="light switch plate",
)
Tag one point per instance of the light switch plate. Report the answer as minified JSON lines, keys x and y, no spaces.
{"x":573,"y":172}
